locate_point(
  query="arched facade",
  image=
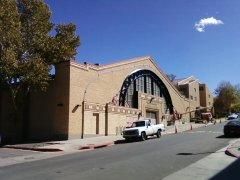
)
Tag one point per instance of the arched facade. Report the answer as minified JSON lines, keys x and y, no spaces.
{"x":143,"y":81}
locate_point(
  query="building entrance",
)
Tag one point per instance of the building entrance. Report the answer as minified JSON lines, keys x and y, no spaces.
{"x":151,"y":114}
{"x":96,"y":115}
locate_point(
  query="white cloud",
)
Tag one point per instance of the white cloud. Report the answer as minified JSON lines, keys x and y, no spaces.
{"x":211,"y":21}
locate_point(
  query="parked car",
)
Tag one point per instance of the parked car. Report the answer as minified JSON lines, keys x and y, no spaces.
{"x":233,"y":116}
{"x":2,"y":139}
{"x":203,"y":118}
{"x":142,"y":129}
{"x":232,"y":128}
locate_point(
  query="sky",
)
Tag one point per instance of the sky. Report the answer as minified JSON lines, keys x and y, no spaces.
{"x":184,"y":37}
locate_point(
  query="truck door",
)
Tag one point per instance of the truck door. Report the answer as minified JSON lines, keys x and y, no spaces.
{"x":150,"y":129}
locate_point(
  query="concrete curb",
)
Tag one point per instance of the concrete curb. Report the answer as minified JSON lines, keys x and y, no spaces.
{"x":34,"y":149}
{"x":96,"y":146}
{"x":234,"y":149}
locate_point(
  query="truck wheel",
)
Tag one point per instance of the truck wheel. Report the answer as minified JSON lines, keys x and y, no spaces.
{"x":127,"y":139}
{"x":158,"y":134}
{"x":143,"y":136}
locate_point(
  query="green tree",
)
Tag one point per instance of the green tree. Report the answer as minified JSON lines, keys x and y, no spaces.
{"x":29,"y":45}
{"x":235,"y":108}
{"x":227,"y":96}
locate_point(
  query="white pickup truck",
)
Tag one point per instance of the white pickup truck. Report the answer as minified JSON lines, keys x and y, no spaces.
{"x":142,"y":129}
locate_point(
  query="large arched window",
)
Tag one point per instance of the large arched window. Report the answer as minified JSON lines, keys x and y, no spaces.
{"x":144,"y":81}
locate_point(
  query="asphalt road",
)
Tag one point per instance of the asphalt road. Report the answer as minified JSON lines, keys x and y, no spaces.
{"x":152,"y":159}
{"x":6,"y":152}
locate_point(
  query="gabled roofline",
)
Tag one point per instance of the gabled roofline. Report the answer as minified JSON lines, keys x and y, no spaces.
{"x":107,"y":66}
{"x":125,"y":62}
{"x":167,"y":79}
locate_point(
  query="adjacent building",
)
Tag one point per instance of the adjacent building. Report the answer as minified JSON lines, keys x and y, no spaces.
{"x":198,"y":93}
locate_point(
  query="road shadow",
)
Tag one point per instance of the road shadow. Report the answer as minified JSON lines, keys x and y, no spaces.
{"x":193,"y":154}
{"x":123,"y":141}
{"x":228,"y":137}
{"x":230,"y":172}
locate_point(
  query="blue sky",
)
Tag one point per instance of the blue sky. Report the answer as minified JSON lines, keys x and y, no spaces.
{"x":113,"y":30}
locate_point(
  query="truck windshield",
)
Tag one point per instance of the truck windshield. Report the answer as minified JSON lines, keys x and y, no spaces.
{"x":138,"y":124}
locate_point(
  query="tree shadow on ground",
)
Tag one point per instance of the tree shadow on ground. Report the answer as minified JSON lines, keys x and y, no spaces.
{"x":230,"y":172}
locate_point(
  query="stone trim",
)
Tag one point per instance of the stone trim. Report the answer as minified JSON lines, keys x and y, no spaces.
{"x":94,"y":107}
{"x":111,"y":109}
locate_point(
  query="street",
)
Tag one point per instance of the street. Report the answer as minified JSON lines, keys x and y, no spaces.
{"x":151,"y":159}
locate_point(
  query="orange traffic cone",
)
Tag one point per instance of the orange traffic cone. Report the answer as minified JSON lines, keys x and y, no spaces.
{"x":191,"y":127}
{"x":176,"y":129}
{"x":220,"y":121}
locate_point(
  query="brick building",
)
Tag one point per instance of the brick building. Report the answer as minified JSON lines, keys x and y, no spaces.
{"x":92,"y":99}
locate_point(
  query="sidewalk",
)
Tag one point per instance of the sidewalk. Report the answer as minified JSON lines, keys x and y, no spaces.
{"x":206,"y":168}
{"x":74,"y":145}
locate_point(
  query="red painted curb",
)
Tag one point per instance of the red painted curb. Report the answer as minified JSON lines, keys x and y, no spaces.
{"x":96,"y":146}
{"x":231,"y":152}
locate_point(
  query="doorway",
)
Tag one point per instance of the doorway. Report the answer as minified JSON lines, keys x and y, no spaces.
{"x":96,"y":115}
{"x":152,"y":115}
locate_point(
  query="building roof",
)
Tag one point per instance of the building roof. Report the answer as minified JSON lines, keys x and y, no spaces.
{"x":187,"y":80}
{"x":86,"y":66}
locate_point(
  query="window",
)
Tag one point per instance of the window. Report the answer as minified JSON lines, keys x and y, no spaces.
{"x":165,"y":106}
{"x":143,"y":81}
{"x":148,"y":85}
{"x":130,"y":95}
{"x":195,"y":90}
{"x":201,"y":88}
{"x":191,"y":97}
{"x":140,"y":84}
{"x":209,"y":96}
{"x":195,"y":98}
{"x":138,"y":124}
{"x":156,"y":89}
